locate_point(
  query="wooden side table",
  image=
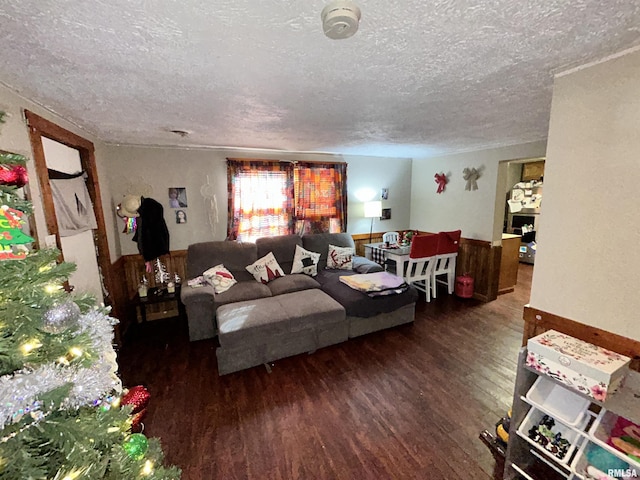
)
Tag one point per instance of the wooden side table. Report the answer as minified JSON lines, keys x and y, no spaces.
{"x":157,"y":295}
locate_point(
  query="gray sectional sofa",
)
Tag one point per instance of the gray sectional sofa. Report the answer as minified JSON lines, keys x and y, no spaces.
{"x":258,"y":323}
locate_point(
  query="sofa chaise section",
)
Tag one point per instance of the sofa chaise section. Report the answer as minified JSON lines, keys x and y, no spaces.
{"x":255,"y":332}
{"x":364,"y":314}
{"x":368,"y":314}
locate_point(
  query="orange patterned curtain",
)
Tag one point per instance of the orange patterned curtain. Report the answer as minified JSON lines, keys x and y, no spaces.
{"x":260,"y":199}
{"x":278,"y":198}
{"x":320,"y":197}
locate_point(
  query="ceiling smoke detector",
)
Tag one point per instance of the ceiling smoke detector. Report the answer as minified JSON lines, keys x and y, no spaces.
{"x":340,"y":19}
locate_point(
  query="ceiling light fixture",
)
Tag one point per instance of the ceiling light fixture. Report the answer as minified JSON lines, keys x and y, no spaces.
{"x":340,"y":19}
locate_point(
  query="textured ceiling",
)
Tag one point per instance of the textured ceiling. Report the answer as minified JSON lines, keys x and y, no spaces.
{"x":419,"y":78}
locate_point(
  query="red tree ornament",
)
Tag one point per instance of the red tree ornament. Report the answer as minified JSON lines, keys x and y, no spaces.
{"x":136,"y":421}
{"x":13,"y":175}
{"x":138,"y":397}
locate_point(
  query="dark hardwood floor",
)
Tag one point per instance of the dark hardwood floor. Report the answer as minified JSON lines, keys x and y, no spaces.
{"x":405,"y":403}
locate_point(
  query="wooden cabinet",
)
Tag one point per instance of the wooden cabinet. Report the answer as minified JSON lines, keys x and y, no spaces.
{"x":532,"y":171}
{"x":509,"y":262}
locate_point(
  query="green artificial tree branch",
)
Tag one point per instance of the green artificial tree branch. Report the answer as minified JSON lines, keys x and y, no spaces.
{"x":50,"y":428}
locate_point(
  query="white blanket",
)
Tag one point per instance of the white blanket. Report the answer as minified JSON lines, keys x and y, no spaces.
{"x":375,"y":284}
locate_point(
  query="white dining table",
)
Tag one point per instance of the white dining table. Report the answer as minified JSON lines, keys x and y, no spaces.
{"x":379,"y":253}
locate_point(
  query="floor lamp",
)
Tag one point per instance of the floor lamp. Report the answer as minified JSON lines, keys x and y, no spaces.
{"x":372,"y":210}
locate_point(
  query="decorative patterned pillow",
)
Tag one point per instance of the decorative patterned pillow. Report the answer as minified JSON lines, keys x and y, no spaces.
{"x":265,"y":269}
{"x":305,"y":261}
{"x":340,"y":258}
{"x":219,"y":278}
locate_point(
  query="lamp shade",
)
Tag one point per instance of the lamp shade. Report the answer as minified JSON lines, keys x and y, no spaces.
{"x":372,"y":209}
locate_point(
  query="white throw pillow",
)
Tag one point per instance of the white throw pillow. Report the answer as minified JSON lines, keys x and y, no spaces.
{"x":305,"y":261}
{"x":265,"y":269}
{"x":340,"y":258}
{"x":219,"y":278}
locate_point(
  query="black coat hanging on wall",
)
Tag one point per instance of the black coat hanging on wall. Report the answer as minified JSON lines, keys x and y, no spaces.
{"x":152,"y":234}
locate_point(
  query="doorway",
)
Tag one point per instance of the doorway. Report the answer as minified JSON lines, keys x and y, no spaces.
{"x":523,"y":197}
{"x":58,"y":149}
{"x":517,"y":213}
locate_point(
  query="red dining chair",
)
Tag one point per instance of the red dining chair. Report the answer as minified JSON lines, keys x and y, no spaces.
{"x":448,"y":244}
{"x":422,"y":259}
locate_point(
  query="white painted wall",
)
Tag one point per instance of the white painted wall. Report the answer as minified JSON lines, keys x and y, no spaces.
{"x":14,"y":137}
{"x":157,"y":169}
{"x":588,"y":261}
{"x":375,"y":173}
{"x":151,"y":172}
{"x":457,"y":208}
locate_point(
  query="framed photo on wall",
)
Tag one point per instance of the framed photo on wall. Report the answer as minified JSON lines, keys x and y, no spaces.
{"x":177,"y":197}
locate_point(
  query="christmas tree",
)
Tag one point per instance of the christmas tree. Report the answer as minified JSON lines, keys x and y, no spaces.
{"x":63,"y":412}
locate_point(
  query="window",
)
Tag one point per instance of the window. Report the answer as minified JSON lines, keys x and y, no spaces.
{"x":262,"y":203}
{"x":279,"y":198}
{"x":320,"y":198}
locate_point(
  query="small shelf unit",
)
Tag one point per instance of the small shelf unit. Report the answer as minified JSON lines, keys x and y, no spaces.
{"x":580,"y":419}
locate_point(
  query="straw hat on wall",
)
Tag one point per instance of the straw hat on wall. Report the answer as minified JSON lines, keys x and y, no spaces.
{"x":129,"y":206}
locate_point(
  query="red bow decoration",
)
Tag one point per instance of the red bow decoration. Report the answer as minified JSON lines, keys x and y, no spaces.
{"x":441,"y":180}
{"x":13,"y":175}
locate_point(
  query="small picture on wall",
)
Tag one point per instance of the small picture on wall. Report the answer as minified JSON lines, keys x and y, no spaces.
{"x":177,"y":197}
{"x":384,"y":194}
{"x":386,"y":214}
{"x":181,"y":216}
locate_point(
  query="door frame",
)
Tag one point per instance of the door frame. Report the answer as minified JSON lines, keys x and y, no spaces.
{"x":38,"y":128}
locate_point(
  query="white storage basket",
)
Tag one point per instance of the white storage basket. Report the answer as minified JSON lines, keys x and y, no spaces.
{"x":563,"y":404}
{"x":533,"y":418}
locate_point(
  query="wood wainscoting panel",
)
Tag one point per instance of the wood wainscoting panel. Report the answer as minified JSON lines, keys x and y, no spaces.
{"x":360,"y":239}
{"x":481,"y":260}
{"x":132,"y":271}
{"x":175,"y":261}
{"x":538,"y":321}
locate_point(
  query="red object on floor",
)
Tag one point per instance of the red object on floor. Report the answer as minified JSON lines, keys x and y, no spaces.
{"x":464,"y":286}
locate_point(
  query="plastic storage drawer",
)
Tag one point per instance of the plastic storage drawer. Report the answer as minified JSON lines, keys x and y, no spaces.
{"x":563,"y":404}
